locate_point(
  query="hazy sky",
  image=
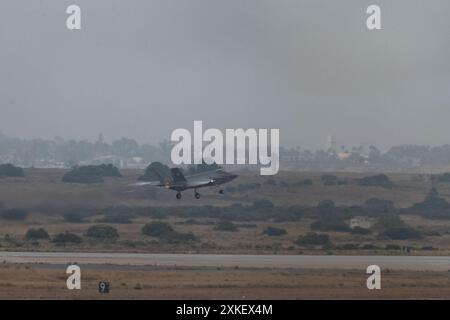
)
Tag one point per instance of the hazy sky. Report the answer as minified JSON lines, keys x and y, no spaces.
{"x":142,"y":68}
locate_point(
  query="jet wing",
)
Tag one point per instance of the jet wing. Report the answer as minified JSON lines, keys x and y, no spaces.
{"x":148,"y":183}
{"x":200,"y":183}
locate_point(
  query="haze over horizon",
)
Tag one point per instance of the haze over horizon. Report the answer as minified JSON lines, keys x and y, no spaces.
{"x":140,"y":69}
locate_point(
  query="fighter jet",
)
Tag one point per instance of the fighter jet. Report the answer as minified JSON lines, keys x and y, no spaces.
{"x":178,"y":182}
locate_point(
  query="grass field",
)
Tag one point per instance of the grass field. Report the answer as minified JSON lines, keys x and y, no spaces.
{"x":49,"y":282}
{"x":44,"y":196}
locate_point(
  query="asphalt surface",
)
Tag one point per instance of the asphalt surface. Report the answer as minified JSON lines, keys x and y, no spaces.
{"x":412,"y":263}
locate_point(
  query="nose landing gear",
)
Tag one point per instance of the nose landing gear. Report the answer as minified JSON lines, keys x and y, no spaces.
{"x":197,"y":195}
{"x":178,"y":195}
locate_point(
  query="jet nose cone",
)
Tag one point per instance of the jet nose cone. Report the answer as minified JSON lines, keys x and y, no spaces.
{"x":233,"y":176}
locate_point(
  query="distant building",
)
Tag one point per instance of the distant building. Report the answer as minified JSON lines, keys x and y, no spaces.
{"x":343,"y":155}
{"x":331,"y":144}
{"x":100,"y":138}
{"x":361,"y":222}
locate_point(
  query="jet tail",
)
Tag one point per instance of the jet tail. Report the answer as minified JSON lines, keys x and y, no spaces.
{"x":177,"y":175}
{"x":158,"y":172}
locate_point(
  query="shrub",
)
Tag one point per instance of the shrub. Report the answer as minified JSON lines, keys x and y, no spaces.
{"x":14,"y":214}
{"x":165,"y":232}
{"x":175,"y":236}
{"x":443,"y":177}
{"x":103,"y":232}
{"x":325,"y":207}
{"x":108,"y":170}
{"x":226,"y":226}
{"x":67,"y":237}
{"x":91,"y":174}
{"x":312,"y":239}
{"x":379,"y":180}
{"x":432,"y":207}
{"x":402,"y":233}
{"x":390,"y":220}
{"x":37,"y":234}
{"x":8,"y":170}
{"x":331,"y":180}
{"x":275,"y":232}
{"x":330,"y":223}
{"x":156,"y":229}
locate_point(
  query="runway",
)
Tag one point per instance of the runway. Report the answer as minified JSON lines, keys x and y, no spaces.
{"x":411,"y":263}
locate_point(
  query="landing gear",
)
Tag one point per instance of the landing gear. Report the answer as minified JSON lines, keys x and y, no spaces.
{"x":221,"y":191}
{"x":178,"y":195}
{"x":197,"y":195}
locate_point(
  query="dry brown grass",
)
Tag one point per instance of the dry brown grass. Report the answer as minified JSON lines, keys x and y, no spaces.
{"x":40,"y":282}
{"x":43,"y":187}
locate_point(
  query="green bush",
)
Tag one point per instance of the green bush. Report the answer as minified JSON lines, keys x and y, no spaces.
{"x":389,"y":220}
{"x":272,"y":231}
{"x":331,"y":180}
{"x":328,"y":178}
{"x":379,"y":180}
{"x":330,"y":223}
{"x":175,"y":236}
{"x":432,"y":207}
{"x":67,"y":237}
{"x":8,"y":170}
{"x":156,"y":229}
{"x":37,"y":234}
{"x":443,"y":177}
{"x":103,"y":232}
{"x":91,"y":174}
{"x":165,"y":232}
{"x":226,"y":226}
{"x":402,"y":233}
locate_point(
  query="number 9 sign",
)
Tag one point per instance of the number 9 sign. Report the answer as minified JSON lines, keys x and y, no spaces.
{"x":103,"y":287}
